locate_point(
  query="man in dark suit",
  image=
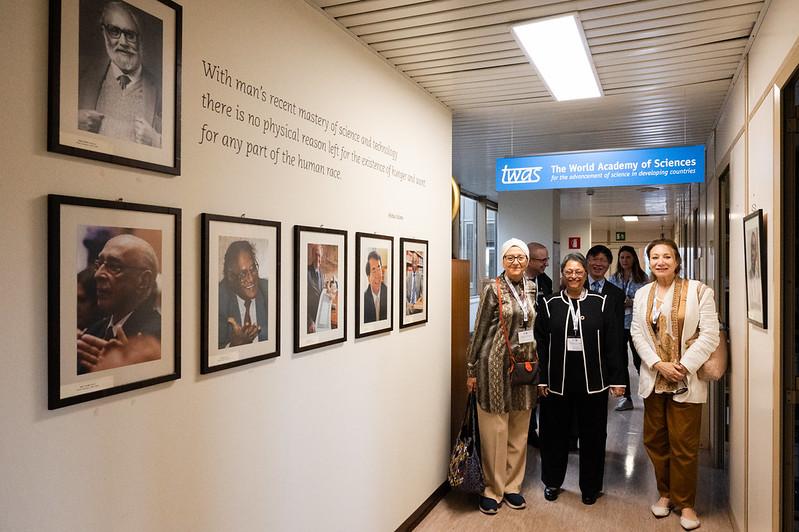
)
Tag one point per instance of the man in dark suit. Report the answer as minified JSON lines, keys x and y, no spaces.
{"x":243,"y":307}
{"x":316,"y":284}
{"x":119,"y":97}
{"x":536,"y":273}
{"x":375,"y":298}
{"x":599,"y":261}
{"x":130,"y":330}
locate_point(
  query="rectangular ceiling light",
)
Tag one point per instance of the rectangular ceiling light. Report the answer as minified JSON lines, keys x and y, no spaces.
{"x":630,"y":218}
{"x":558,"y":50}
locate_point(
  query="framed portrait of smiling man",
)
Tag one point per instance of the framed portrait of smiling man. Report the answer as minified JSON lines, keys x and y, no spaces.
{"x":113,"y":298}
{"x":374,"y":284}
{"x":115,"y":81}
{"x":240,"y":291}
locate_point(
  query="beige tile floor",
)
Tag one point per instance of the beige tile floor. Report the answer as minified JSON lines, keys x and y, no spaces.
{"x":629,"y":490}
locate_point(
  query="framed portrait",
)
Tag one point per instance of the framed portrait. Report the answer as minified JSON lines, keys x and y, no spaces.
{"x":114,"y":82}
{"x":374,"y":286}
{"x":755,"y":261}
{"x":413,"y":281}
{"x":240,"y":291}
{"x":320,"y":287}
{"x":113,"y":298}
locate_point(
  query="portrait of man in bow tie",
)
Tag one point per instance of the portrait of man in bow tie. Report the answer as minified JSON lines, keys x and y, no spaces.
{"x":119,"y":83}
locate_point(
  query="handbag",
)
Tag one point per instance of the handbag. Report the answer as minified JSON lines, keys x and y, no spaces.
{"x":524,"y":372}
{"x":716,"y":365}
{"x":465,"y":466}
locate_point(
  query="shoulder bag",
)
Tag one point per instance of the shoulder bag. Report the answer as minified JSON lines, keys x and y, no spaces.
{"x":714,"y":367}
{"x":521,"y":373}
{"x":465,"y":466}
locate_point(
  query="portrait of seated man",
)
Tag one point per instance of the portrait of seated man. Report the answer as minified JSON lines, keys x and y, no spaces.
{"x":118,"y":96}
{"x":375,"y":298}
{"x":242,"y":298}
{"x":129,"y":331}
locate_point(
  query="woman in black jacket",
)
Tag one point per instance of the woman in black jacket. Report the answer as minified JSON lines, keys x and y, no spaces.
{"x":581,"y":357}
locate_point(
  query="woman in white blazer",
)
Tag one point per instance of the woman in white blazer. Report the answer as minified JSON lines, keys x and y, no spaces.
{"x":675,"y":328}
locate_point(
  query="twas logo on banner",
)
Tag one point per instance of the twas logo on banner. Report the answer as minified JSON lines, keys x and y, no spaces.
{"x":657,"y":166}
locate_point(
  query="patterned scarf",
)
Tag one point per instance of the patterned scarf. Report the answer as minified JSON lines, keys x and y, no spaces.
{"x":667,"y":343}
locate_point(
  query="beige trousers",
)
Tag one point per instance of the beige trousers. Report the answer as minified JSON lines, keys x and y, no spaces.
{"x":503,"y":450}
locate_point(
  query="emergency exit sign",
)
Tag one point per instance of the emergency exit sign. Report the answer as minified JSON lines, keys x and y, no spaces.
{"x":621,"y":235}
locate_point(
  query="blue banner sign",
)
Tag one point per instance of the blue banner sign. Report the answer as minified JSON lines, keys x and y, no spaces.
{"x":657,"y":166}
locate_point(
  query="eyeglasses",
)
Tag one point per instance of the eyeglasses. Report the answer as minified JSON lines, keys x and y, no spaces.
{"x":242,"y":275}
{"x":545,"y":259}
{"x":573,"y":273}
{"x":115,"y":32}
{"x":518,"y":258}
{"x":114,"y":267}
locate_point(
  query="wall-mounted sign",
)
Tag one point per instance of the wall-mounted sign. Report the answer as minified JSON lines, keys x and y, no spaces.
{"x":574,"y":242}
{"x":657,"y":166}
{"x":621,"y":235}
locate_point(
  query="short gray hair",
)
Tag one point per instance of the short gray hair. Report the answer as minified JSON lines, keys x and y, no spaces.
{"x":578,"y":257}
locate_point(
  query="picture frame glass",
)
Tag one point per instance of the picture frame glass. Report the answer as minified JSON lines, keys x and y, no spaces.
{"x":375,"y":286}
{"x":414,"y":258}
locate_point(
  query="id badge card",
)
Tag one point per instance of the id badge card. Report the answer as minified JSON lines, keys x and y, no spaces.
{"x":574,"y":344}
{"x":526,"y":336}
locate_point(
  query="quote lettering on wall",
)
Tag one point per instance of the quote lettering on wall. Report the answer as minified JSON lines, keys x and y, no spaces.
{"x":287,"y":133}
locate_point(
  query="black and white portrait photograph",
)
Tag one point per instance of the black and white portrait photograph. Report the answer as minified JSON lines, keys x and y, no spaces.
{"x":240,"y":291}
{"x":755,"y":261}
{"x":124,"y":59}
{"x":413,"y":281}
{"x":374,"y":306}
{"x":320,"y":289}
{"x":114,"y":297}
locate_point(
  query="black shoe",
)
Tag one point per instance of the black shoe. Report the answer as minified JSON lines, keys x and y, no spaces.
{"x":488,"y":505}
{"x":532,"y":439}
{"x":551,"y":493}
{"x":514,"y":500}
{"x":590,"y":498}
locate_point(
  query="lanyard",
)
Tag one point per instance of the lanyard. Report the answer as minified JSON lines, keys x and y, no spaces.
{"x":575,"y":315}
{"x":518,"y":299}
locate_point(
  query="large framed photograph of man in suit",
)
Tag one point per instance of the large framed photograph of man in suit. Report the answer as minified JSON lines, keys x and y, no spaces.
{"x":240,"y":291}
{"x":374,"y":284}
{"x":115,"y":81}
{"x":320,"y":287}
{"x":413,"y":281}
{"x":113,"y":298}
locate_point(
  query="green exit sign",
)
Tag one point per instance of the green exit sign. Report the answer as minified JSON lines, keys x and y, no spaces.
{"x":621,"y":235}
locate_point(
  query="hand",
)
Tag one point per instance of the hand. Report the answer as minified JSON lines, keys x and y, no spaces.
{"x":543,"y":391}
{"x":671,"y":371}
{"x":311,"y":327}
{"x":617,"y":391}
{"x":90,"y":120}
{"x":471,"y":384}
{"x":241,"y":335}
{"x":90,"y":350}
{"x":144,"y":133}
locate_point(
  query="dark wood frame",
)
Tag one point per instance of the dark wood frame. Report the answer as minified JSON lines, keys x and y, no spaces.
{"x":401,"y":273}
{"x":54,"y":100}
{"x":205,"y":290}
{"x":299,"y":277}
{"x":757,"y":218}
{"x":359,"y":289}
{"x":54,"y":205}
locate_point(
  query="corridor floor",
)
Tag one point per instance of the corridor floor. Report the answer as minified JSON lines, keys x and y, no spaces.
{"x":629,"y":491}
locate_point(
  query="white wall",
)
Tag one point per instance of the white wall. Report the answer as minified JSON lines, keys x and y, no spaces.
{"x":531,"y":215}
{"x":571,"y":228}
{"x":302,"y":442}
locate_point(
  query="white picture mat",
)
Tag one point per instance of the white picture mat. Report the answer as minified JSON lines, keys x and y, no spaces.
{"x":307,"y":237}
{"x":383,"y":248}
{"x":421,"y":250}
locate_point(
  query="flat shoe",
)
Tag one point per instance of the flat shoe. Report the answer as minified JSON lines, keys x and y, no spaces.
{"x":550,"y":493}
{"x":660,"y":511}
{"x":689,"y":524}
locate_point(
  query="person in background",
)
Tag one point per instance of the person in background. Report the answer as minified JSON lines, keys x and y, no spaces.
{"x":503,"y":409}
{"x":629,"y":277}
{"x":675,"y":329}
{"x":243,"y":296}
{"x":581,"y":359}
{"x":536,"y":273}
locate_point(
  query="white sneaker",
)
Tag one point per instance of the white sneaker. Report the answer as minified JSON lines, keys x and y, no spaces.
{"x":660,"y":511}
{"x":689,"y":524}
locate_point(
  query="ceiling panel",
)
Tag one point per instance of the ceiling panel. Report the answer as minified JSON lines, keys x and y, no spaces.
{"x":665,"y":66}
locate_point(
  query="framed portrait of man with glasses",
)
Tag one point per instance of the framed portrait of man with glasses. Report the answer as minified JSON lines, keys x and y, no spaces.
{"x":123,"y":57}
{"x":114,"y":297}
{"x":240,"y":291}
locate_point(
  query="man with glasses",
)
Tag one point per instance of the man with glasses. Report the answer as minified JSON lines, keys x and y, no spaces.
{"x":118,"y":97}
{"x":125,"y":272}
{"x":242,"y":298}
{"x":536,"y":272}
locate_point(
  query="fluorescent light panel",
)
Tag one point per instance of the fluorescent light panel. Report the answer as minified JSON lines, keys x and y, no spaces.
{"x":630,"y":218}
{"x":558,"y":50}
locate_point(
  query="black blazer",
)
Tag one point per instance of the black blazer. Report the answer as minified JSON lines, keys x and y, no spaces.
{"x":602,"y":350}
{"x":369,"y":314}
{"x":544,"y":285}
{"x":615,"y":306}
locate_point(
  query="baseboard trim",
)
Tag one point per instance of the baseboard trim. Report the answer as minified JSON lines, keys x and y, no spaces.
{"x":424,"y":509}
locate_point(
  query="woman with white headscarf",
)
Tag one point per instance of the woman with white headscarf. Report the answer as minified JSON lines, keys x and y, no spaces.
{"x":503,"y":340}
